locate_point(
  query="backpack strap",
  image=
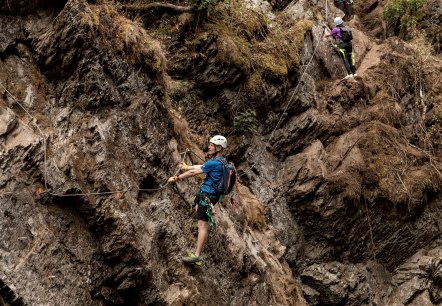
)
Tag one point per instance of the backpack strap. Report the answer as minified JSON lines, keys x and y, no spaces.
{"x":223,"y":162}
{"x":221,"y":159}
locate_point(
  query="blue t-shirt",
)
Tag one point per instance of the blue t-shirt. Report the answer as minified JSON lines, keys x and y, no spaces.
{"x":213,"y":169}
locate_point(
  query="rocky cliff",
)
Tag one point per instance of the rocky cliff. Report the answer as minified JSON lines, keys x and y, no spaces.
{"x":340,"y":180}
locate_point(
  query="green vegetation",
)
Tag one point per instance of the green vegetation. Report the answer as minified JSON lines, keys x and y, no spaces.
{"x":406,"y":13}
{"x":124,"y":36}
{"x":245,"y":122}
{"x":263,"y":48}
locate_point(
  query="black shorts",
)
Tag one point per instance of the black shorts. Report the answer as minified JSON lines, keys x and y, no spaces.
{"x":201,"y":211}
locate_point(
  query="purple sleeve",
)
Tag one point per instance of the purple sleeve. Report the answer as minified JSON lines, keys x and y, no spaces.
{"x":336,"y":33}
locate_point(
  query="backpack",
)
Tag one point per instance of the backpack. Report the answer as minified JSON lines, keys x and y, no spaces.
{"x":346,"y":35}
{"x":228,"y":179}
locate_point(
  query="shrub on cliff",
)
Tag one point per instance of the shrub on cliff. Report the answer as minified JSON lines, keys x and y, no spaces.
{"x":404,"y":14}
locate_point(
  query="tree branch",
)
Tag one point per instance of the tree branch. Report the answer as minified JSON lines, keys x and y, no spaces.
{"x":162,"y":5}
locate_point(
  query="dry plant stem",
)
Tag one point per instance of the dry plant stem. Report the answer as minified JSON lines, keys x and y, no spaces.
{"x":429,"y":156}
{"x":348,"y":151}
{"x":371,"y":230}
{"x":406,"y":191}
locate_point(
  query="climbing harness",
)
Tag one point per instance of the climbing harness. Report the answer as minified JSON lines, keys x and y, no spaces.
{"x":344,"y":53}
{"x":348,"y":62}
{"x":205,"y":201}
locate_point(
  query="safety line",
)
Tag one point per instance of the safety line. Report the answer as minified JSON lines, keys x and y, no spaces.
{"x":47,"y":191}
{"x":290,"y":100}
{"x":82,"y":194}
{"x":294,"y":92}
{"x":118,"y":191}
{"x":326,"y":10}
{"x":197,"y":155}
{"x":34,"y":120}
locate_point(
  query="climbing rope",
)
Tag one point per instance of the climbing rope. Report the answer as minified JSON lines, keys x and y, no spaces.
{"x":40,"y":191}
{"x":300,"y":81}
{"x":197,"y":156}
{"x":46,"y":190}
{"x":293,"y":94}
{"x":175,"y":189}
{"x":326,"y":10}
{"x":290,"y":100}
{"x":119,"y":192}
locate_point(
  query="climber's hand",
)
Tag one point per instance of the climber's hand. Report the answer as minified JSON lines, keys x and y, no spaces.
{"x":172,"y":179}
{"x":184,"y":166}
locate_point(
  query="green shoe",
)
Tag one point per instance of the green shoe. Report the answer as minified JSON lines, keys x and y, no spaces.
{"x":193,"y":259}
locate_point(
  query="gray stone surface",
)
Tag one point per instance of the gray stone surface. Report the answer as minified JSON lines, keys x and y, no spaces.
{"x":342,"y":194}
{"x":7,"y":121}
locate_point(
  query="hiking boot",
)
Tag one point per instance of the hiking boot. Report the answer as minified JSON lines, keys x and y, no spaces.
{"x":348,"y":76}
{"x":355,"y":75}
{"x":193,"y":259}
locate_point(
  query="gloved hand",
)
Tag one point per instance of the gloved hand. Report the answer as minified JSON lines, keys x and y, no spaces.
{"x":172,"y":179}
{"x":184,"y":166}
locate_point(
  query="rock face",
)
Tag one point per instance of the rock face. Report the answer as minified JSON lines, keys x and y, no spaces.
{"x":90,"y":123}
{"x":8,"y":121}
{"x":340,"y":181}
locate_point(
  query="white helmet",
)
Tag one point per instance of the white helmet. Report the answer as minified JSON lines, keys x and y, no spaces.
{"x":219,"y":140}
{"x":338,"y":21}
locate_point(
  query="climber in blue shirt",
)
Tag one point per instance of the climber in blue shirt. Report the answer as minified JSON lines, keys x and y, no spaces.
{"x":207,"y":195}
{"x":213,"y":173}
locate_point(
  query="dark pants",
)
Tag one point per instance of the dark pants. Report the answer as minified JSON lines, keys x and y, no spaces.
{"x":346,"y":52}
{"x":202,"y":200}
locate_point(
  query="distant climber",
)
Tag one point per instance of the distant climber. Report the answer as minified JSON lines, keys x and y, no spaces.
{"x":207,"y":195}
{"x":346,"y":6}
{"x":343,"y":37}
